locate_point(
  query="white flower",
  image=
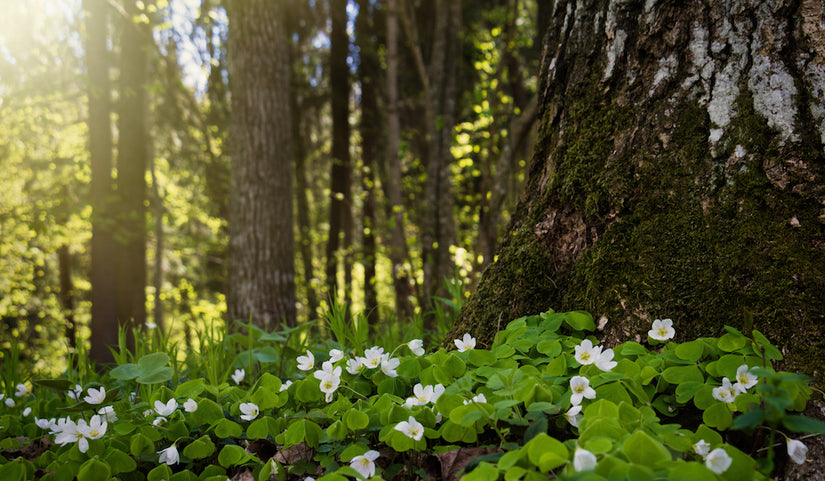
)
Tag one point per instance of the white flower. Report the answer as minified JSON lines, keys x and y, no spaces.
{"x":306,"y":363}
{"x":574,"y":415}
{"x":108,"y":413}
{"x":388,"y":366}
{"x":702,"y":448}
{"x":744,"y":379}
{"x":422,"y":394}
{"x":22,"y":390}
{"x":330,"y":380}
{"x":726,"y":392}
{"x":169,"y":455}
{"x":662,"y":330}
{"x":45,"y":423}
{"x":580,"y":386}
{"x":466,"y":343}
{"x":411,"y":428}
{"x":72,"y":393}
{"x":285,"y":386}
{"x":372,"y":357}
{"x":150,"y":325}
{"x":166,"y":409}
{"x":96,"y":427}
{"x":477,"y":399}
{"x":354,"y":366}
{"x":336,"y":355}
{"x":586,"y":353}
{"x":438,"y":390}
{"x":238,"y":376}
{"x":416,"y":346}
{"x":27,"y":411}
{"x":797,"y":451}
{"x":250,"y":411}
{"x":9,"y":402}
{"x":190,"y":405}
{"x":718,"y":461}
{"x":71,"y":432}
{"x":159,"y":420}
{"x":605,"y":360}
{"x":365,"y":464}
{"x":96,"y":396}
{"x":584,"y":460}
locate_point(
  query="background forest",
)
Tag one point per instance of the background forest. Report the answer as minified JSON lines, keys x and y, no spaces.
{"x":115,"y":124}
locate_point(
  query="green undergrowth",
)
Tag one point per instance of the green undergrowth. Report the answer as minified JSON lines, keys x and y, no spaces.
{"x":545,"y":401}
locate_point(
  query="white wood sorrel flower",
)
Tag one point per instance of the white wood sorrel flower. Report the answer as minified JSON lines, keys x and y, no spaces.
{"x":336,"y":355}
{"x":727,"y":392}
{"x":238,"y":375}
{"x":580,"y":386}
{"x":166,"y":409}
{"x":96,"y":396}
{"x":411,"y":428}
{"x":190,"y":405}
{"x":416,"y":346}
{"x":365,"y":464}
{"x":330,"y":378}
{"x":745,"y":379}
{"x":249,"y":411}
{"x":586,"y":353}
{"x":662,"y":330}
{"x":605,"y":360}
{"x":169,"y":455}
{"x":797,"y":451}
{"x":718,"y":461}
{"x":584,"y":460}
{"x":466,"y":343}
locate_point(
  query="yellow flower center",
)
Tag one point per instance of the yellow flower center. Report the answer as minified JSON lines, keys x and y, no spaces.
{"x":364,"y":462}
{"x":578,"y":388}
{"x":327,"y":384}
{"x":413,"y":432}
{"x":585,"y":356}
{"x":663,"y":332}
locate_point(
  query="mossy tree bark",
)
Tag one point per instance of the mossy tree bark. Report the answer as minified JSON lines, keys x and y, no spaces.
{"x":679,"y":173}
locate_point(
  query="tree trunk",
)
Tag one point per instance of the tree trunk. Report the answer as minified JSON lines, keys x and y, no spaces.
{"x":440,"y":90}
{"x":368,"y":73}
{"x":261,"y":259}
{"x":340,"y":209}
{"x":103,"y":251}
{"x":397,"y":248}
{"x":133,"y":155}
{"x":678,"y":174}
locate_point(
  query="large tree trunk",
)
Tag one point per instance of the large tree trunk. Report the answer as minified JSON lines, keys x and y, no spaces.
{"x":103,"y":251}
{"x":678,"y":174}
{"x":132,"y":161}
{"x":340,"y":208}
{"x":261,"y":261}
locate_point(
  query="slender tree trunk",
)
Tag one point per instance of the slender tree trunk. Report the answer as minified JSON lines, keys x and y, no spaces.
{"x":370,"y":125}
{"x":678,"y":173}
{"x":398,"y":244}
{"x":261,"y":242}
{"x":104,"y":253}
{"x":157,"y":281}
{"x":304,"y":224}
{"x":340,"y":210}
{"x":64,"y":260}
{"x":133,"y":155}
{"x":439,"y":85}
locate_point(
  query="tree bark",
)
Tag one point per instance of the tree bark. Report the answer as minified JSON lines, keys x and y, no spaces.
{"x":368,"y":74}
{"x":103,"y":250}
{"x":132,"y":161}
{"x":397,"y":248}
{"x":340,"y":209}
{"x":261,"y":258}
{"x":678,"y":173}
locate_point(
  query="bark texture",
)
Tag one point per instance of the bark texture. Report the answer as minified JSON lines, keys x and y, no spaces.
{"x":678,"y":173}
{"x":261,"y":270}
{"x":103,"y":252}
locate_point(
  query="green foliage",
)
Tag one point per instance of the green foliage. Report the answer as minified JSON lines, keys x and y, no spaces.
{"x":647,"y":416}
